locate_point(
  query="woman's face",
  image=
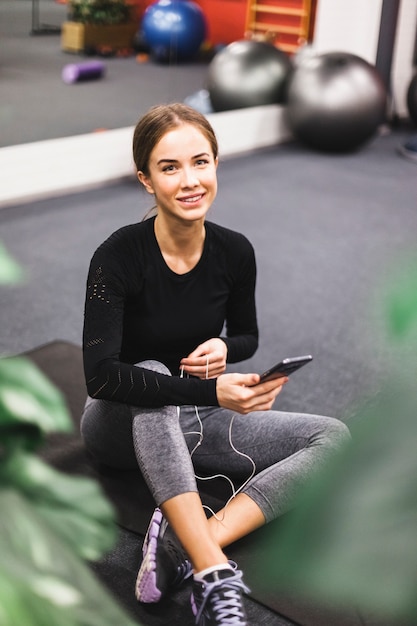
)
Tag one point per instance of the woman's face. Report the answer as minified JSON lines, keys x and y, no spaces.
{"x":182,"y":174}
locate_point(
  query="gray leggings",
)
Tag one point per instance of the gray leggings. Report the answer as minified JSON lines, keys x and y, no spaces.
{"x":285,"y":447}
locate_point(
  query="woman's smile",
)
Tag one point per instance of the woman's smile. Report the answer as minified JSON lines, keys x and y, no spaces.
{"x":194,"y":199}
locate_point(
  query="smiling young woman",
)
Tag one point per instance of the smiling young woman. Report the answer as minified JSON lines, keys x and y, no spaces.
{"x":159,"y":294}
{"x":182,"y":177}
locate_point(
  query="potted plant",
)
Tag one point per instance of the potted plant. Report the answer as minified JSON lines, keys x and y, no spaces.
{"x":98,"y":25}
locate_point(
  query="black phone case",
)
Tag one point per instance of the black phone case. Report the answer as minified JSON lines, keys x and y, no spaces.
{"x":286,"y":367}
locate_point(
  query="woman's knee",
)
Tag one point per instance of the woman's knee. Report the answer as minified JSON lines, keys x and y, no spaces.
{"x":339,"y":431}
{"x":334,"y":435}
{"x":155,"y":366}
{"x":106,"y":429}
{"x":106,"y":426}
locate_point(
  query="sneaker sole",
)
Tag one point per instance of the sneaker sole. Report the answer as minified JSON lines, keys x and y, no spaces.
{"x":194,"y":607}
{"x":146,"y":589}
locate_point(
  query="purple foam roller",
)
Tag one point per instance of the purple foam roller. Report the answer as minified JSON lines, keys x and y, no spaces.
{"x":76,"y":72}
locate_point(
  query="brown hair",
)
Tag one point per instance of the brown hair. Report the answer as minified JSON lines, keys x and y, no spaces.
{"x":158,"y":121}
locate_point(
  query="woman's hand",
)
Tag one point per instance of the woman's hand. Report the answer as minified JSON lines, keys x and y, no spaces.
{"x":243,"y":394}
{"x":208,"y":360}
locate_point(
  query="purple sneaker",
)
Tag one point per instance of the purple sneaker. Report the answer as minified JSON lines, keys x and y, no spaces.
{"x":217,"y":599}
{"x":164,"y":563}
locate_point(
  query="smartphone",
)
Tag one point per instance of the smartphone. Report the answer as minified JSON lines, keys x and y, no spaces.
{"x":286,"y":367}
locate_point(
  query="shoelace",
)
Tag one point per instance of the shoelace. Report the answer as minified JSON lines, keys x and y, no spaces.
{"x":226,"y":603}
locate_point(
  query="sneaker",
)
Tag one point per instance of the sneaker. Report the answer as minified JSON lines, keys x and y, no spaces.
{"x":164,"y":563}
{"x":217,"y":599}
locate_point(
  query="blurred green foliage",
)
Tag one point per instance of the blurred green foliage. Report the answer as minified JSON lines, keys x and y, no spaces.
{"x":351,"y":540}
{"x":10,"y":271}
{"x":49,"y":522}
{"x":99,"y":11}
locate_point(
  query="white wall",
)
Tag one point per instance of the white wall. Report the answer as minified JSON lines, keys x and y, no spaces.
{"x":44,"y":169}
{"x":349,"y":26}
{"x":353,"y":26}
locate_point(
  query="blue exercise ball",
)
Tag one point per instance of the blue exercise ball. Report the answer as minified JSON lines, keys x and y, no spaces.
{"x":173,"y":30}
{"x":248,"y":73}
{"x":336,"y":101}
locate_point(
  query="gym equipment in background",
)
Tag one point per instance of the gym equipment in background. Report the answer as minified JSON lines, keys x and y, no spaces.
{"x":248,"y":73}
{"x":200,"y":101}
{"x":88,"y":70}
{"x":409,"y":148}
{"x":412,"y":99}
{"x":173,"y":30}
{"x":336,"y":101}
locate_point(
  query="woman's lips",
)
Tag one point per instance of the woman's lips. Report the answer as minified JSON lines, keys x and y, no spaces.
{"x":194,"y":199}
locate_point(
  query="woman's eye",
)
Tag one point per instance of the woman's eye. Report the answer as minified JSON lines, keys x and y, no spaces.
{"x":202,"y":162}
{"x":168,"y":168}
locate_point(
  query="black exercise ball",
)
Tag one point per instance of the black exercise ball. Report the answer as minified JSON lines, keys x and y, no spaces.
{"x":336,"y":101}
{"x":246,"y":74}
{"x":412,"y":99}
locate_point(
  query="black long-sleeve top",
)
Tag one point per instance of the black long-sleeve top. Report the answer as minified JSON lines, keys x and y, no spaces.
{"x":137,"y":308}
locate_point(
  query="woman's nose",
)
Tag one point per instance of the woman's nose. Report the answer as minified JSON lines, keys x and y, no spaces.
{"x":189,"y":177}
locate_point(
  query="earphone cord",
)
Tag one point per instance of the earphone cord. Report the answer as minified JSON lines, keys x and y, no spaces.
{"x":199,"y":442}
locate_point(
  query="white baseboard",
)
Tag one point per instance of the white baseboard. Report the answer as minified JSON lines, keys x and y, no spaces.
{"x":55,"y":167}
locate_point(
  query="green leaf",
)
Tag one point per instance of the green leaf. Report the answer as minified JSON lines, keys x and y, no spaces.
{"x":30,"y":405}
{"x":402,"y":303}
{"x":10,"y":271}
{"x":74,"y":507}
{"x":351,"y":539}
{"x":41,"y":580}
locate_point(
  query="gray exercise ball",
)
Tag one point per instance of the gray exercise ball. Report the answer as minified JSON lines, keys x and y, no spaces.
{"x":248,"y":73}
{"x":336,"y":101}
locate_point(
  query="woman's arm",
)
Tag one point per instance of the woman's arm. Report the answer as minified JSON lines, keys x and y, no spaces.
{"x":241,"y":321}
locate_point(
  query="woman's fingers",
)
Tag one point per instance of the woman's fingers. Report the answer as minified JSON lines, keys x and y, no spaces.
{"x":208,"y":360}
{"x":241,"y":393}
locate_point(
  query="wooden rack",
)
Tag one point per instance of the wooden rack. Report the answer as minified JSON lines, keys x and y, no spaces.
{"x":287,"y":23}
